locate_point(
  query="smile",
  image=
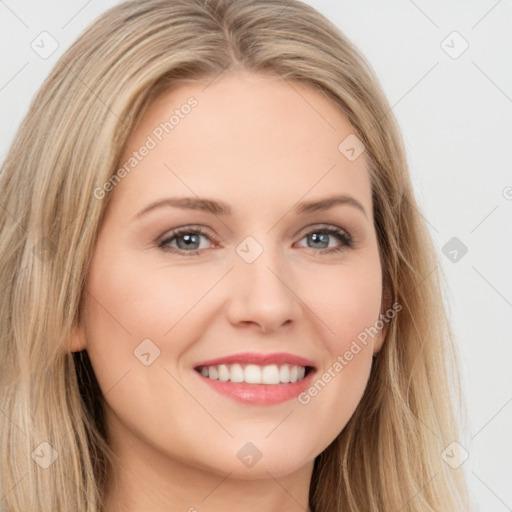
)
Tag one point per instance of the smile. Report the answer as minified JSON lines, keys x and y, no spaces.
{"x":253,"y":374}
{"x":257,"y":379}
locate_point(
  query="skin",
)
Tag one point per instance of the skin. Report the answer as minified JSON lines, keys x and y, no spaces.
{"x":260,"y":144}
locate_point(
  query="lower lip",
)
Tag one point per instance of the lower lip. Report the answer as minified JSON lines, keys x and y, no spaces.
{"x":260,"y":394}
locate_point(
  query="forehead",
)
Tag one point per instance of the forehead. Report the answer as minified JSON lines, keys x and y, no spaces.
{"x":251,"y":140}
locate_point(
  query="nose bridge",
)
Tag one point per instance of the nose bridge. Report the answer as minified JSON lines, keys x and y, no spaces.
{"x":261,"y":290}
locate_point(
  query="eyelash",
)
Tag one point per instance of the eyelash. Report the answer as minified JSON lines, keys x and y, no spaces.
{"x":345,"y":239}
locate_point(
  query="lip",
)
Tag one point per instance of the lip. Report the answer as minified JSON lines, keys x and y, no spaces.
{"x":259,"y":359}
{"x":259,"y":394}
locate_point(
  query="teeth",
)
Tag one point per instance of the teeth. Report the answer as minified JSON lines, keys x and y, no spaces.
{"x":284,"y":373}
{"x":270,"y":374}
{"x":254,"y":374}
{"x":213,"y":373}
{"x":236,"y":373}
{"x":223,"y":373}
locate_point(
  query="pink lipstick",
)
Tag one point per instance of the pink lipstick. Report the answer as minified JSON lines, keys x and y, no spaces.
{"x":255,"y":378}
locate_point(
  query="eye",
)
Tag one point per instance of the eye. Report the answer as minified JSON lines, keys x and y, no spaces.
{"x":187,"y":240}
{"x":319,"y":237}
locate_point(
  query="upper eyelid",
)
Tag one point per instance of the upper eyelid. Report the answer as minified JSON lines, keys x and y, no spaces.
{"x":204,"y":231}
{"x":187,"y":229}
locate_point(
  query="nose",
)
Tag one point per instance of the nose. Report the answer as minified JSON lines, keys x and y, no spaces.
{"x":262,"y":294}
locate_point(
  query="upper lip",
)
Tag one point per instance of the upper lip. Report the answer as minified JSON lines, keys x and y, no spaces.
{"x":259,"y":359}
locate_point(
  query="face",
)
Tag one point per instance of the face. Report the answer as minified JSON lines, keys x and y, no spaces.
{"x":259,"y":287}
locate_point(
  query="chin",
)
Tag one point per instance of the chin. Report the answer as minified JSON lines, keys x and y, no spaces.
{"x":250,"y":463}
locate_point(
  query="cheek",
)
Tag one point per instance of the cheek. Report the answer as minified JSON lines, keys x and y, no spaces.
{"x":346,"y":299}
{"x":131,"y":300}
{"x":348,"y":305}
{"x":127,"y":305}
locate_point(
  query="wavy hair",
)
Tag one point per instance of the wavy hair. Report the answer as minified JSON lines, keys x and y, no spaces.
{"x":388,"y":457}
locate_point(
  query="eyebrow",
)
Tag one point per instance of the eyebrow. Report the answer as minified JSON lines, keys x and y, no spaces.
{"x":221,"y":208}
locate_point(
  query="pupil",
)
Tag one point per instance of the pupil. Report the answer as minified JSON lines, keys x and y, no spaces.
{"x":188,"y":239}
{"x":320,"y":237}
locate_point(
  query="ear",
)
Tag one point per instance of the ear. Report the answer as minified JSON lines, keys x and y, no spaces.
{"x":385,"y":306}
{"x":77,"y":340}
{"x":380,"y":338}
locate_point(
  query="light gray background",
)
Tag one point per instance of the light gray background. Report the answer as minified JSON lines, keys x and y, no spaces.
{"x":456,"y":117}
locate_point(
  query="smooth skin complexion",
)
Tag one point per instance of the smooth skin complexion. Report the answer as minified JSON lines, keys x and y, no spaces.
{"x":262,"y":146}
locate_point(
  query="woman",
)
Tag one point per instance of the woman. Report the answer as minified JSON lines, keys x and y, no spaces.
{"x":255,"y":370}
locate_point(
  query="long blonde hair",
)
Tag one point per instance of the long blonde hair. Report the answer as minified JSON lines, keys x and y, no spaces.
{"x":388,"y":457}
